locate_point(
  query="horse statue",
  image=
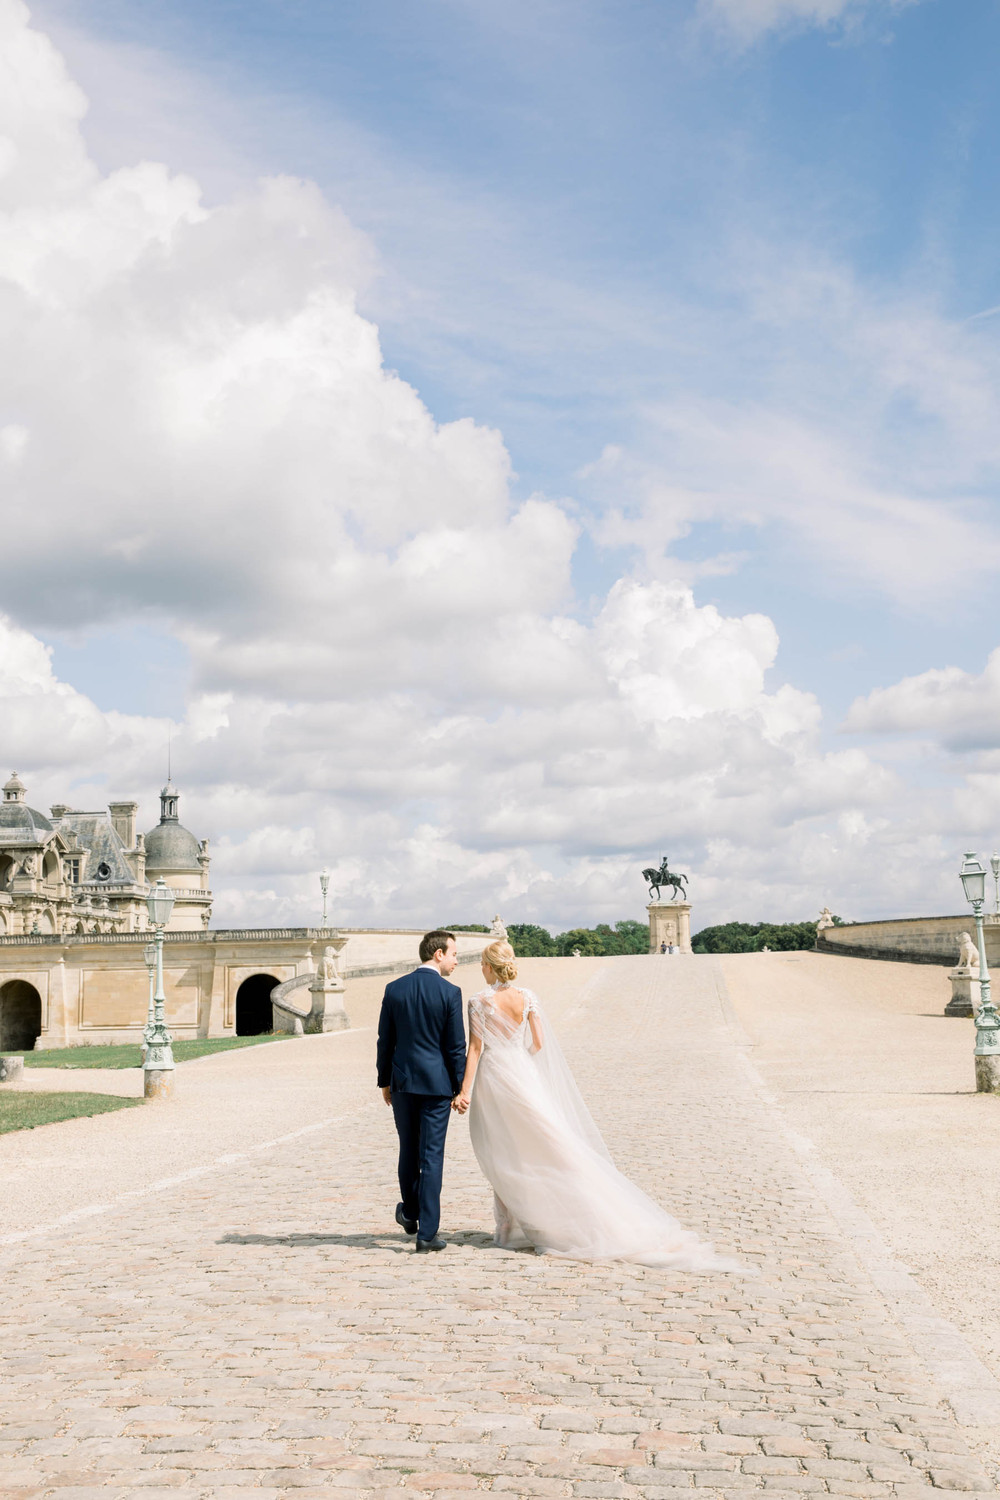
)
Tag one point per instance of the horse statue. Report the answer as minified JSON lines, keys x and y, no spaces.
{"x":664,"y":877}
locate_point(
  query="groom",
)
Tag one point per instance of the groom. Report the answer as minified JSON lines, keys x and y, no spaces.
{"x":421,"y":1063}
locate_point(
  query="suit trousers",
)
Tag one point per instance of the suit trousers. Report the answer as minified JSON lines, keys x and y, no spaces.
{"x":421,"y":1124}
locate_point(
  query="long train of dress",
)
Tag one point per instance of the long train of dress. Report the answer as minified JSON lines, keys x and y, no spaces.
{"x":555,"y":1185}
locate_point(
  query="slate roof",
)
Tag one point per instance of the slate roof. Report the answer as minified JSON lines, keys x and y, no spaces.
{"x":20,"y":823}
{"x":98,"y":835}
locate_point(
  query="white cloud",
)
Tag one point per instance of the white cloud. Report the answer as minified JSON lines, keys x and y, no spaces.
{"x":749,"y":19}
{"x":956,"y":708}
{"x":390,"y":670}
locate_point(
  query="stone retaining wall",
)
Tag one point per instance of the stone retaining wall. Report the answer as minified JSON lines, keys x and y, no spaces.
{"x":913,"y":940}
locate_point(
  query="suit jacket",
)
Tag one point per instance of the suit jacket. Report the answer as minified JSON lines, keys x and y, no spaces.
{"x":421,"y":1038}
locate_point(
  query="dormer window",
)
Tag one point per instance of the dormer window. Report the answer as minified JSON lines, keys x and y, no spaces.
{"x":103,"y":871}
{"x":72,"y":868}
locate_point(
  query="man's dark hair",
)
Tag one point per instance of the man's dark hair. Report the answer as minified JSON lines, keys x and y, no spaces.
{"x":432,"y":941}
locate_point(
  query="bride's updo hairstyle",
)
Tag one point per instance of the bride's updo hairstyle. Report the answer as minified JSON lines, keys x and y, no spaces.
{"x":501,"y":959}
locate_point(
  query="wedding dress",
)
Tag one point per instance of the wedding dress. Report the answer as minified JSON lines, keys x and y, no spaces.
{"x":555,"y":1186}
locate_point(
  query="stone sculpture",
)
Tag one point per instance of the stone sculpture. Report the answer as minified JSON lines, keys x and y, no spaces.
{"x":498,"y":930}
{"x":968,"y":955}
{"x":825,"y":920}
{"x":964,"y":979}
{"x":664,"y":877}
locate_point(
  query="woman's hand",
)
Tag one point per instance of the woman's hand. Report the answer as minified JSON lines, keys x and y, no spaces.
{"x":460,"y":1103}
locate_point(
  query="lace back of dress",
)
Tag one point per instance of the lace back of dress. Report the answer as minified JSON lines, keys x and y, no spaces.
{"x":491,"y":1024}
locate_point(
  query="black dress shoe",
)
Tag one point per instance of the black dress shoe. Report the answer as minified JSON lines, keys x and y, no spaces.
{"x":425,"y":1246}
{"x":410,"y":1225}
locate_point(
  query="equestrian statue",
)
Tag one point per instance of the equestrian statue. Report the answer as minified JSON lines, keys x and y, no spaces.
{"x":664,"y":877}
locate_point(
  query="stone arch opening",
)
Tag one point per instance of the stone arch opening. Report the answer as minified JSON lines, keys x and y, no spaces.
{"x":46,"y":923}
{"x":50,"y":868}
{"x":6,"y":871}
{"x":20,"y":1016}
{"x":254,"y":1014}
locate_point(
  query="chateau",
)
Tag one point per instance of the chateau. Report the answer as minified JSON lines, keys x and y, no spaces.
{"x":89,"y":872}
{"x":74,"y":933}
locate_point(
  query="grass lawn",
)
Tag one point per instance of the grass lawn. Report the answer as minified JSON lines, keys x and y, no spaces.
{"x":129,"y":1054}
{"x":25,"y":1111}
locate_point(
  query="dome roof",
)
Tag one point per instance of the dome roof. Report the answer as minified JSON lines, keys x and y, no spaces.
{"x":20,"y":815}
{"x":171,"y":847}
{"x":15,"y":812}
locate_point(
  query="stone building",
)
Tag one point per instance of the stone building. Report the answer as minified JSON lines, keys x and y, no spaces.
{"x":81,"y":873}
{"x":67,"y":991}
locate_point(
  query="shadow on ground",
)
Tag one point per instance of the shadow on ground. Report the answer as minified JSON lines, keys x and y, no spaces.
{"x":388,"y":1241}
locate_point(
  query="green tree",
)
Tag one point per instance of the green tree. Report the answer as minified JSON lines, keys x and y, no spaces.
{"x":751,"y":937}
{"x":634,"y":936}
{"x":529,"y":941}
{"x":588,"y":942}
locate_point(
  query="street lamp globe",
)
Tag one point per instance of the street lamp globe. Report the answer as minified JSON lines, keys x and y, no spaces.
{"x":973,"y":877}
{"x":160,"y":903}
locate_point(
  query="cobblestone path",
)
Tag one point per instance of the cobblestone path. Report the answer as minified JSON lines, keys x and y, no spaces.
{"x":266,"y":1328}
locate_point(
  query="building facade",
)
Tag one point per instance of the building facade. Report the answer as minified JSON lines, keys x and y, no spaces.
{"x":68,"y":991}
{"x":85,"y":873}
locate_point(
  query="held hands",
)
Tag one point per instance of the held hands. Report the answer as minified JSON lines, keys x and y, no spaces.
{"x":460,"y":1103}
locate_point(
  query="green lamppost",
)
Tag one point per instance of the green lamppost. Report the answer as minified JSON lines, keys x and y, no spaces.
{"x":149,"y":958}
{"x":158,"y":1068}
{"x":987,"y":1054}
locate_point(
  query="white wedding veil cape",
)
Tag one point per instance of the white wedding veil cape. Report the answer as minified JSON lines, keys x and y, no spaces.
{"x":556,"y":1185}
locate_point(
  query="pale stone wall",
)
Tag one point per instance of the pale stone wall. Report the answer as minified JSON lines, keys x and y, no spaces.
{"x":670,"y":923}
{"x":374,"y":949}
{"x":95,"y":988}
{"x":932,"y":940}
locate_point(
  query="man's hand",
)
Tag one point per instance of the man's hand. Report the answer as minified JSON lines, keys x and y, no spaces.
{"x":387,"y":1096}
{"x":460,"y":1103}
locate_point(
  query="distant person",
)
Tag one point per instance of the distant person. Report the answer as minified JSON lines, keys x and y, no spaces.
{"x":421,"y":1058}
{"x":554,"y":1185}
{"x":663,"y":947}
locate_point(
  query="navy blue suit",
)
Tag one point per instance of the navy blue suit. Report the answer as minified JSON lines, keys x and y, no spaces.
{"x":421,"y":1058}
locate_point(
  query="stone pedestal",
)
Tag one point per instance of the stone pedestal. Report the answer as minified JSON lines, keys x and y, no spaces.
{"x":324,"y":1009}
{"x":964,"y":993}
{"x":11,"y":1069}
{"x":670,"y":923}
{"x":158,"y":1083}
{"x":327,"y":1011}
{"x":988,"y":1074}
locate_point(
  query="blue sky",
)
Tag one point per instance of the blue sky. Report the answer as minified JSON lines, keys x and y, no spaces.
{"x":559,"y":193}
{"x":722,"y":275}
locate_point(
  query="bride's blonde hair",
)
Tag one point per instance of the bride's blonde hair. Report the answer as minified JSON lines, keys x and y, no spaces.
{"x":501,"y":959}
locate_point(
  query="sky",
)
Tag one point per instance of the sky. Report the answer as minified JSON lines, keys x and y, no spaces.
{"x":497,"y":445}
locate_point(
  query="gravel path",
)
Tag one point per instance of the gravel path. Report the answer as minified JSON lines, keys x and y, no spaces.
{"x":257,"y":1323}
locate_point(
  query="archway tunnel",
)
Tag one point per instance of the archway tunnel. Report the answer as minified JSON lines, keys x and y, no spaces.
{"x":254,"y":1015}
{"x":20,"y":1016}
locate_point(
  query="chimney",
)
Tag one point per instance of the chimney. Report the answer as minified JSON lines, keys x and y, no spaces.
{"x":123,"y":819}
{"x":59,"y":810}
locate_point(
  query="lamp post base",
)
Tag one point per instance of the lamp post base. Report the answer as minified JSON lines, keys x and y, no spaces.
{"x":988,"y":1073}
{"x":158,"y":1083}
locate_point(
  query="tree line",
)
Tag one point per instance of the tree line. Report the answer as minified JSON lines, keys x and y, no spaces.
{"x":530,"y":941}
{"x":751,"y":937}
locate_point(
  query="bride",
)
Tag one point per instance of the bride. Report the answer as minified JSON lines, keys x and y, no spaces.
{"x":554,"y":1184}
